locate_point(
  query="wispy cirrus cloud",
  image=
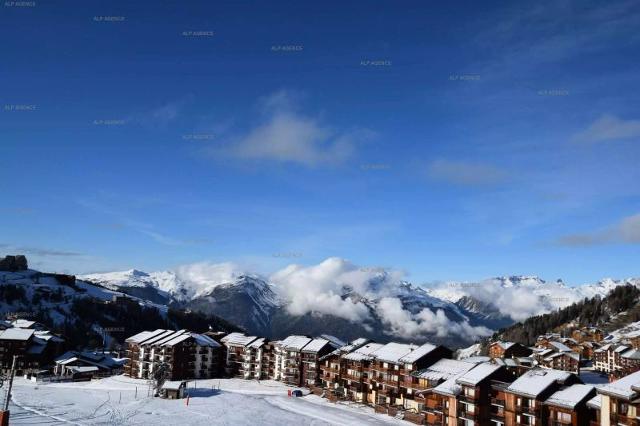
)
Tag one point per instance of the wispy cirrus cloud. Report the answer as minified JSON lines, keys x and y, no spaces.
{"x":466,"y":173}
{"x":286,"y":135}
{"x":608,"y":128}
{"x":626,"y":231}
{"x":39,"y":251}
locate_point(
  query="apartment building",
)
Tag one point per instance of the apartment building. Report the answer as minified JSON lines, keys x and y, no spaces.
{"x":568,"y":406}
{"x":347,"y":375}
{"x":288,"y":359}
{"x":391,"y":368}
{"x":183,"y":355}
{"x":428,"y":378}
{"x":310,"y":360}
{"x":524,"y":397}
{"x":474,"y":398}
{"x":620,"y":401}
{"x":616,"y":359}
{"x":235,"y":350}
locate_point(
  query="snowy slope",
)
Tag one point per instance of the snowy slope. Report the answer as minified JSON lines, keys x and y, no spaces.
{"x":120,"y":400}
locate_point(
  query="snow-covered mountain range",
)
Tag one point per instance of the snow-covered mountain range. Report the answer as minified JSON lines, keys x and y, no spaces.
{"x":340,"y":298}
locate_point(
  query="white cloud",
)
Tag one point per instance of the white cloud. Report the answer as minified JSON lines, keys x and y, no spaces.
{"x":426,"y":322}
{"x":626,"y":231}
{"x":287,"y":136}
{"x":608,"y":128}
{"x":203,"y":276}
{"x":465,"y":173}
{"x":318,"y":288}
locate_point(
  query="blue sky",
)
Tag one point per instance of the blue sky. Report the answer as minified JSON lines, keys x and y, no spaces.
{"x":453,"y":141}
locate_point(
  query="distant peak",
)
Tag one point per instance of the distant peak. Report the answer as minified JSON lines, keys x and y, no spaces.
{"x":137,"y":273}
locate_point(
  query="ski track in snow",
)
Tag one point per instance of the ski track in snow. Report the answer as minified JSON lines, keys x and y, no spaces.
{"x":113,"y":401}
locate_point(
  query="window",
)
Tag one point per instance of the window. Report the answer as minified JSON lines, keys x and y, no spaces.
{"x":564,"y":417}
{"x":470,"y":392}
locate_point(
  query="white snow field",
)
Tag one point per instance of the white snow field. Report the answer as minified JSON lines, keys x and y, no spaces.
{"x":112,"y":401}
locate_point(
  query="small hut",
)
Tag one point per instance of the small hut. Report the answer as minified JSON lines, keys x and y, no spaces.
{"x":173,"y":389}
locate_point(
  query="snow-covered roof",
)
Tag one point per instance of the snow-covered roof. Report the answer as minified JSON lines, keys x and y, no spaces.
{"x":418,"y":353}
{"x":204,"y":340}
{"x":534,"y":382}
{"x":23,"y":323}
{"x":570,"y":396}
{"x":560,"y":347}
{"x":509,"y":362}
{"x":144,"y":335}
{"x":239,"y":339}
{"x":444,"y":369}
{"x":477,"y":359}
{"x":477,"y":374}
{"x":173,"y":384}
{"x":257,"y":343}
{"x":624,"y":387}
{"x":295,"y":342}
{"x":333,"y":340}
{"x":175,"y":339}
{"x":392,"y":352}
{"x":449,"y":387}
{"x":573,"y":355}
{"x":66,"y":360}
{"x":16,"y":334}
{"x":621,"y":348}
{"x":504,"y":345}
{"x":315,"y":345}
{"x":83,"y":369}
{"x":363,"y":352}
{"x":631,"y":354}
{"x":595,"y":402}
{"x":163,"y":339}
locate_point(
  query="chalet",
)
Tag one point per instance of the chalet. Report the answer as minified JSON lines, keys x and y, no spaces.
{"x":183,"y":355}
{"x":524,"y":397}
{"x":620,"y":401}
{"x":36,"y":349}
{"x":87,"y":363}
{"x":567,"y":361}
{"x":236,"y":348}
{"x":568,"y":406}
{"x":630,"y":361}
{"x":501,"y":349}
{"x":590,"y":334}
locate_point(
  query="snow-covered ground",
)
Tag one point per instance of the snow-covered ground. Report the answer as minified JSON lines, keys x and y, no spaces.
{"x":113,"y":401}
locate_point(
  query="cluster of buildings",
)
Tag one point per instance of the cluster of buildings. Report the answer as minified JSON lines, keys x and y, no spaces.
{"x":33,"y":345}
{"x":419,"y":383}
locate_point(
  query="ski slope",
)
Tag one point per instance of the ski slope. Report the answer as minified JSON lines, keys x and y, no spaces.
{"x":113,"y":401}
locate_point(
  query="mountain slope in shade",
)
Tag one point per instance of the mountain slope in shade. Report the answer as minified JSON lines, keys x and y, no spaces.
{"x":248,"y":302}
